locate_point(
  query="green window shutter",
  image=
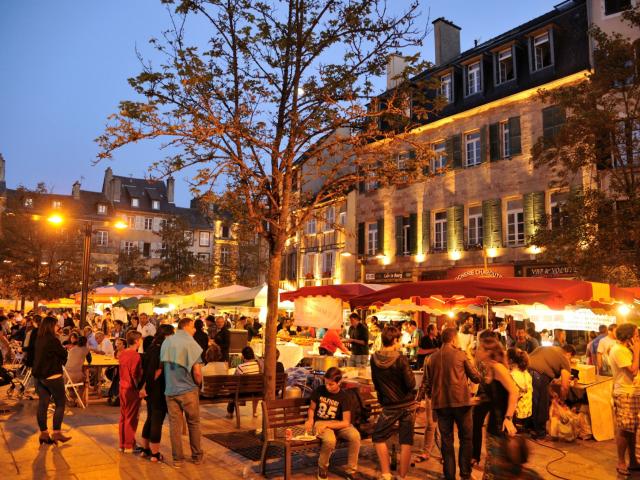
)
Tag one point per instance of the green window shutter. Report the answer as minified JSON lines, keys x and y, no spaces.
{"x":380,"y":249}
{"x":399,"y":228}
{"x":457,"y":151}
{"x":361,"y":238}
{"x":455,"y":228}
{"x":552,"y":119}
{"x":492,"y":223}
{"x":534,"y":211}
{"x":494,"y":142}
{"x":515,"y":143}
{"x":413,"y":233}
{"x":426,"y":231}
{"x":484,"y":147}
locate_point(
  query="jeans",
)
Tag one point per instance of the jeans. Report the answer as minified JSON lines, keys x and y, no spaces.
{"x":479,"y":415}
{"x":189,"y":403}
{"x":541,"y":400}
{"x":329,"y":439}
{"x":48,"y":389}
{"x":461,"y":416}
{"x":358,"y":361}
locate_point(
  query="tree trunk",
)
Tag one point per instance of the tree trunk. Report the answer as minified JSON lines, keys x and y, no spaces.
{"x":273,"y":282}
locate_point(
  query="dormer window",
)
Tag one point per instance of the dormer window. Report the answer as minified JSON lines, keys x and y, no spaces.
{"x":28,"y":202}
{"x":505,"y":66}
{"x":56,"y":204}
{"x":155,"y":204}
{"x":446,"y":87}
{"x":135,"y":202}
{"x":102,"y":209}
{"x":611,"y":7}
{"x":541,"y":51}
{"x":473,"y":77}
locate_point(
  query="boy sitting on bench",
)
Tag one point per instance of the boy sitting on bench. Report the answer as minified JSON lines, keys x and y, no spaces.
{"x":330,"y":413}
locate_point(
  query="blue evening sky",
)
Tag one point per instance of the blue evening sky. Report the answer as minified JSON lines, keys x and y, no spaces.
{"x":64,"y":66}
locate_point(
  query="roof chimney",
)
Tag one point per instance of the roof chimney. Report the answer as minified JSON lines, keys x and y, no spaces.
{"x":395,"y":66}
{"x":447,"y":38}
{"x":75,"y":190}
{"x":106,"y":183}
{"x":116,"y":187}
{"x":171,"y":187}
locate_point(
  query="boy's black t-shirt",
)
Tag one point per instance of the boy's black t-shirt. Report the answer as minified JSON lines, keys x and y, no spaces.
{"x":330,"y":406}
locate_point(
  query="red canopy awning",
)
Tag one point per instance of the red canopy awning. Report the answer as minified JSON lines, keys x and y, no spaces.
{"x":625,"y":294}
{"x":345,"y":292}
{"x":552,"y":292}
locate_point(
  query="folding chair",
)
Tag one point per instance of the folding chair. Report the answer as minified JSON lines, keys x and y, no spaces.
{"x":71,"y":385}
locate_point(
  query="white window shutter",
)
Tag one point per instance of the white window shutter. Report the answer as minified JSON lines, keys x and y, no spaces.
{"x":139,"y":223}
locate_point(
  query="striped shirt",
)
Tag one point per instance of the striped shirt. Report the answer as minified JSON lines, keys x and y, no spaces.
{"x":248,"y":368}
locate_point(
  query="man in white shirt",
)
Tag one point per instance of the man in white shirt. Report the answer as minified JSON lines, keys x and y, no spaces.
{"x":145,"y":327}
{"x":105,"y":347}
{"x":624,"y":358}
{"x":603,"y":350}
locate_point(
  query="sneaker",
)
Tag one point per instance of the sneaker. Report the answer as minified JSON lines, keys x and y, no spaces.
{"x":177,"y":464}
{"x":322,"y":474}
{"x":229,"y":416}
{"x":197,"y":460}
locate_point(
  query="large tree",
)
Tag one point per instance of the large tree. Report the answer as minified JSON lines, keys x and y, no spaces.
{"x":596,"y":151}
{"x":132,"y":267}
{"x":38,"y":260}
{"x":177,"y":261}
{"x":256,"y":109}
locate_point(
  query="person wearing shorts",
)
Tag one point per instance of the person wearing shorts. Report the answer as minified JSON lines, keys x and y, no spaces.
{"x":394,"y":382}
{"x":624,"y":359}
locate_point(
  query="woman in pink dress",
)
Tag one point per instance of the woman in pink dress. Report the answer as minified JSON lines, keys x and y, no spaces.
{"x":130,"y":369}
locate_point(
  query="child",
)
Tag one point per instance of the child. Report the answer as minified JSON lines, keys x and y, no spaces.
{"x":130,"y":372}
{"x":519,"y":363}
{"x":330,"y":414}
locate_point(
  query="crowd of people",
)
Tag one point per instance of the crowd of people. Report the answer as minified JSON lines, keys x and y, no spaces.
{"x":490,"y":387}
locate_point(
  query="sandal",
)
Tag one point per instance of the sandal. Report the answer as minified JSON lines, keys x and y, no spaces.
{"x":623,"y":471}
{"x":156,"y":457}
{"x":145,"y":453}
{"x":423,"y":457}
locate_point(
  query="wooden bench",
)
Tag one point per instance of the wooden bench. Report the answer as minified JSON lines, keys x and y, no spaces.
{"x":279,"y":415}
{"x":237,"y":388}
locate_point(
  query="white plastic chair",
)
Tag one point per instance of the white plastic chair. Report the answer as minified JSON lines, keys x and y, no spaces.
{"x":71,"y":385}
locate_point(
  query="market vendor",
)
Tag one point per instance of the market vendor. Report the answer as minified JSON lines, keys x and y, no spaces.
{"x":331,"y":342}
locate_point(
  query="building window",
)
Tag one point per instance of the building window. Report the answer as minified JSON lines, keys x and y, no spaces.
{"x":515,"y":223}
{"x":556,"y":204}
{"x":475,"y":226}
{"x":371,"y":182}
{"x":148,"y":223}
{"x":225,"y":231}
{"x":102,"y":209}
{"x":188,"y":237}
{"x":308,"y":264}
{"x":439,"y":161}
{"x":225,"y":255}
{"x":56,"y":204}
{"x":504,"y":137}
{"x":102,"y":238}
{"x":542,"y":51}
{"x":146,"y":250}
{"x":329,"y":218}
{"x":506,"y":67}
{"x":472,"y":142}
{"x":611,"y":7}
{"x":440,"y":231}
{"x":446,"y":87}
{"x":372,"y":239}
{"x":135,"y":202}
{"x":131,"y":222}
{"x":627,"y":141}
{"x":401,"y":160}
{"x":203,"y":257}
{"x":155,"y":204}
{"x":406,"y":239}
{"x":342,"y":218}
{"x":128,"y":247}
{"x":474,"y":83}
{"x":162,"y":223}
{"x":327,"y":264}
{"x":204,"y":239}
{"x":310,"y":227}
{"x":28,"y":202}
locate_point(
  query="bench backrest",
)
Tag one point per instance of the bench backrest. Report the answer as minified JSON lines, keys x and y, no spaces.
{"x":229,"y":385}
{"x":283,"y":413}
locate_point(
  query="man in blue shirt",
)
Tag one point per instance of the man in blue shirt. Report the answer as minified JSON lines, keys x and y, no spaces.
{"x":602,"y":332}
{"x":181,"y":358}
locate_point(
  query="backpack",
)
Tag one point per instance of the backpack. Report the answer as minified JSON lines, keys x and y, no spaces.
{"x":360,"y":412}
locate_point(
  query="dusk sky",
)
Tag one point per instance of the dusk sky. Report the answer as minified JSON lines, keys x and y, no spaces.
{"x":64,"y":66}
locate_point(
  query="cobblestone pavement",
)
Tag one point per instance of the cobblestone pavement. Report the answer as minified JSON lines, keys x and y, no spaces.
{"x":92,"y":453}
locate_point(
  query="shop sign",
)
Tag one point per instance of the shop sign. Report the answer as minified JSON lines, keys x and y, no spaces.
{"x":388,"y":277}
{"x":549,"y":271}
{"x":494,"y":271}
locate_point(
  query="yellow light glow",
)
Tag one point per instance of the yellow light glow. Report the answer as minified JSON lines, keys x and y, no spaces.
{"x":534,"y":250}
{"x":420,"y":257}
{"x":455,"y":255}
{"x":345,"y":254}
{"x":35,"y":218}
{"x":132,"y":284}
{"x":55,"y":219}
{"x":624,"y":310}
{"x":191,"y":275}
{"x":492,"y":252}
{"x":450,"y":314}
{"x":120,"y":225}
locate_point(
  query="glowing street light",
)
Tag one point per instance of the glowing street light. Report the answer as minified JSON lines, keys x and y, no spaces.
{"x":624,"y":310}
{"x":55,"y":219}
{"x":120,"y":225}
